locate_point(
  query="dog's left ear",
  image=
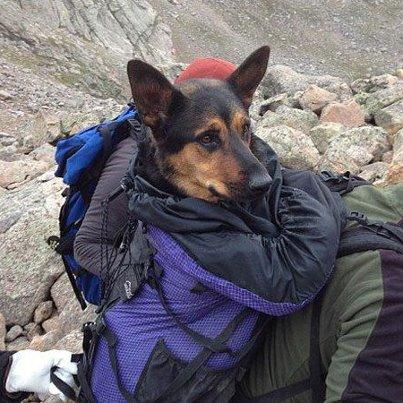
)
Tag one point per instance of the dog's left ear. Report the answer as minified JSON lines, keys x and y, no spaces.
{"x":155,"y":97}
{"x":246,"y":78}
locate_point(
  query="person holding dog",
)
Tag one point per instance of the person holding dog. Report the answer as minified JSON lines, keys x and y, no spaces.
{"x":346,"y":346}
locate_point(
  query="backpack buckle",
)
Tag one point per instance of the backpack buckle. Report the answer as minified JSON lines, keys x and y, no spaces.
{"x":53,"y":241}
{"x":359,"y":217}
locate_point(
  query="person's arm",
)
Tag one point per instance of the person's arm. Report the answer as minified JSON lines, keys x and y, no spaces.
{"x":87,"y":246}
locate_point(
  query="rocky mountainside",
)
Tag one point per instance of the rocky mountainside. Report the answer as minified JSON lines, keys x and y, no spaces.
{"x":62,"y":67}
{"x":348,"y":38}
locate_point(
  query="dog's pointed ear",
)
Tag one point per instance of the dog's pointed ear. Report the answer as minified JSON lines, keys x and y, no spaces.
{"x":155,"y":97}
{"x":247,"y":77}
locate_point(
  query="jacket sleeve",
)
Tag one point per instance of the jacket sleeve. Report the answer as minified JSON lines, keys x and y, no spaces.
{"x":5,"y":362}
{"x":87,"y":246}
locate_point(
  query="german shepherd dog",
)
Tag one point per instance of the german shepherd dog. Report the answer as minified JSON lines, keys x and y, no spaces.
{"x":199,"y":143}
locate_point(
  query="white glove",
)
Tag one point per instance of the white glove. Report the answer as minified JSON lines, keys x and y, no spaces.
{"x":30,"y":372}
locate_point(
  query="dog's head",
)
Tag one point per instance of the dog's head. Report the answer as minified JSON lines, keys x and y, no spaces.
{"x":201,"y":129}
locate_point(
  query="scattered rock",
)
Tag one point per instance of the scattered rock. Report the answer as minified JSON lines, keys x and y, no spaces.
{"x":51,"y":324}
{"x":45,"y":153}
{"x":391,"y":117}
{"x":43,"y":311}
{"x":373,"y":84}
{"x":316,"y":98}
{"x":14,"y":173}
{"x":4,"y":95}
{"x":8,"y":219}
{"x":398,"y":148}
{"x":14,"y":332}
{"x":280,"y":79}
{"x":394,"y":175}
{"x":61,"y":292}
{"x":7,"y":139}
{"x":294,"y":148}
{"x":324,"y":133}
{"x":46,"y":341}
{"x":374,"y":172}
{"x":348,"y":114}
{"x":387,"y":157}
{"x":3,"y":332}
{"x":72,"y":342}
{"x":32,"y":330}
{"x":29,"y":267}
{"x":71,"y":315}
{"x":295,"y":118}
{"x":355,"y":148}
{"x":342,"y":90}
{"x":384,"y":97}
{"x":21,"y":343}
{"x":272,"y":103}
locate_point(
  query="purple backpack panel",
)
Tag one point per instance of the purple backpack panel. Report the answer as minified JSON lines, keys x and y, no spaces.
{"x":141,"y":321}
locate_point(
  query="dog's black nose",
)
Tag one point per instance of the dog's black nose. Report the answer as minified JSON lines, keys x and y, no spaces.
{"x":260,"y":184}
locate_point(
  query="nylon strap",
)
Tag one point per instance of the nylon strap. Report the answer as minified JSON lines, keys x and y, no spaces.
{"x":64,"y":387}
{"x":317,"y":374}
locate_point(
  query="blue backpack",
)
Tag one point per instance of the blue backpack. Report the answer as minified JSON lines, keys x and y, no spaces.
{"x":80,"y":160}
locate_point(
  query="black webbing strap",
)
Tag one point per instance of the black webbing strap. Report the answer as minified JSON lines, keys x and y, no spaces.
{"x":317,"y":374}
{"x":342,"y":183}
{"x":90,"y":342}
{"x":214,"y":345}
{"x":370,"y":235}
{"x":281,"y":394}
{"x":77,"y":291}
{"x":64,"y":387}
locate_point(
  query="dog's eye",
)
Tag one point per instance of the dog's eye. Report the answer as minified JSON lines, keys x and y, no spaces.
{"x":209,"y":139}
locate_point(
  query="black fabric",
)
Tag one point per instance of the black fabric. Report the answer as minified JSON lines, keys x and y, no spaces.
{"x":342,"y":183}
{"x":5,"y":362}
{"x":277,"y":395}
{"x":363,"y":238}
{"x":289,"y":237}
{"x":317,"y":372}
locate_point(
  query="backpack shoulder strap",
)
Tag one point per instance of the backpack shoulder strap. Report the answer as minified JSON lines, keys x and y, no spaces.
{"x":342,"y":183}
{"x":370,"y":236}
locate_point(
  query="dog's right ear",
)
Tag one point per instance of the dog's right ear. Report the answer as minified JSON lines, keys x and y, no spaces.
{"x":155,"y":97}
{"x":246,"y":78}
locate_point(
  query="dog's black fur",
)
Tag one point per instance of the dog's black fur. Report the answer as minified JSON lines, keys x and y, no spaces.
{"x":199,"y":139}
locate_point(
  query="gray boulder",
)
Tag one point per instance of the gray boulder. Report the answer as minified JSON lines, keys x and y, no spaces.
{"x":29,"y":267}
{"x":293,"y":147}
{"x":391,"y":117}
{"x":384,"y":97}
{"x":323,"y":134}
{"x":355,"y":148}
{"x":296,"y":118}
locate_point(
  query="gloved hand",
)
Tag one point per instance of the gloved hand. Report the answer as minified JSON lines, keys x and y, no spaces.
{"x":30,"y":372}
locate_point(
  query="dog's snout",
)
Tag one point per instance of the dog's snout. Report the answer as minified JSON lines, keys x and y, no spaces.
{"x":260,"y":184}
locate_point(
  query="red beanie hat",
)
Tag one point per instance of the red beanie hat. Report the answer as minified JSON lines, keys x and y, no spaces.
{"x":207,"y":68}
